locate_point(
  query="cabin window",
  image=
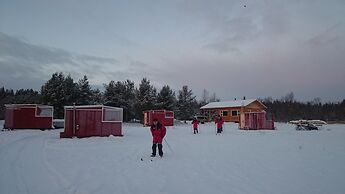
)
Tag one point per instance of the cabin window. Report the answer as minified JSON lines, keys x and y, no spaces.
{"x":235,"y":113}
{"x":224,"y":113}
{"x":169,"y":115}
{"x":112,"y":114}
{"x":44,"y":111}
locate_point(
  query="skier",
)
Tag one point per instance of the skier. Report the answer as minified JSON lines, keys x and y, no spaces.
{"x":219,"y":124}
{"x":158,"y":132}
{"x":195,"y":123}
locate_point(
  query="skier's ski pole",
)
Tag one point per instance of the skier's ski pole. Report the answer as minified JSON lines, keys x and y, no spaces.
{"x":168,"y":145}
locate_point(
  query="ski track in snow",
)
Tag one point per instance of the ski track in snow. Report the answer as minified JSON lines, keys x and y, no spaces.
{"x":25,"y":158}
{"x":282,"y":161}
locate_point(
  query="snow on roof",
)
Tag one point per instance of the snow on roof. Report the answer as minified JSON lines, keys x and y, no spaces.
{"x":226,"y":104}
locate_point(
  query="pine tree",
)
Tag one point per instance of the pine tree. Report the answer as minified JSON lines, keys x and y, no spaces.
{"x":97,"y":97}
{"x":70,"y":91}
{"x":186,"y":104}
{"x":53,"y":93}
{"x":129,"y":99}
{"x":145,"y":98}
{"x":59,"y":91}
{"x":84,"y":92}
{"x":121,"y":94}
{"x":112,"y":94}
{"x":166,"y":99}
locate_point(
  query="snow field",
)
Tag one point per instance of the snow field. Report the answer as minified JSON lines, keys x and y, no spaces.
{"x":280,"y":161}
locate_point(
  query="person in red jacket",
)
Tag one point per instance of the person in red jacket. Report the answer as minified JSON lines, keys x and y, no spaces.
{"x":158,"y":132}
{"x":195,"y":123}
{"x":219,"y":124}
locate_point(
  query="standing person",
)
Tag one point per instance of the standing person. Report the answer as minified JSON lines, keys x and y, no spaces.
{"x":219,"y":124}
{"x":195,"y":123}
{"x":158,"y":132}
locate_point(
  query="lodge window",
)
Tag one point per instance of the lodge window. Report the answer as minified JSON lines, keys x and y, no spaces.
{"x":234,"y":113}
{"x":224,"y":113}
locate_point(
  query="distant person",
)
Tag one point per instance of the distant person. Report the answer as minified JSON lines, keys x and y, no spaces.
{"x":195,"y":123}
{"x":158,"y":132}
{"x":219,"y":124}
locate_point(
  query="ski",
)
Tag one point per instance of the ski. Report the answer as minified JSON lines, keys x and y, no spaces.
{"x":149,"y":158}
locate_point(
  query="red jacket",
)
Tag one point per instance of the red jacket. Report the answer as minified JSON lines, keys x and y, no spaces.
{"x":219,"y":123}
{"x":195,"y":124}
{"x":158,"y":134}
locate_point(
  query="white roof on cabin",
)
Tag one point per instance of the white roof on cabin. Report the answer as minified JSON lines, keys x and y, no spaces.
{"x":26,"y":105}
{"x":91,"y":106}
{"x":227,"y":104}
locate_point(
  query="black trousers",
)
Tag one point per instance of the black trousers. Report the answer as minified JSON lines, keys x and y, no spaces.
{"x":160,"y":149}
{"x":196,"y":130}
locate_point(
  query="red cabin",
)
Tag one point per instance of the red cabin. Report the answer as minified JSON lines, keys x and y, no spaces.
{"x":255,"y":120}
{"x":28,"y":116}
{"x":164,"y":116}
{"x":92,"y":120}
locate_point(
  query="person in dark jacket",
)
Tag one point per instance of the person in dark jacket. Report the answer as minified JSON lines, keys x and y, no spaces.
{"x":219,"y":124}
{"x":158,"y":132}
{"x":195,"y":123}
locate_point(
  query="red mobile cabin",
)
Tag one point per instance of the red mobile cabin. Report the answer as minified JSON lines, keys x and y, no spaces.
{"x":28,"y":116}
{"x":92,"y":120}
{"x":255,"y":121}
{"x":164,"y":116}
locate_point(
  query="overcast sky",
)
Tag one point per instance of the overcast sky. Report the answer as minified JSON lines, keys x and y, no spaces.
{"x":254,"y":48}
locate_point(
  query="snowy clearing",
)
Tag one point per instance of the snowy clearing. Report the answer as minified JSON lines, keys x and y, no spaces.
{"x":280,"y":161}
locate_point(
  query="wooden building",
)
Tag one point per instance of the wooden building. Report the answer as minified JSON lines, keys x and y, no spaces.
{"x":92,"y":120}
{"x":231,"y":110}
{"x":256,"y":121}
{"x":164,"y":116}
{"x":28,"y":116}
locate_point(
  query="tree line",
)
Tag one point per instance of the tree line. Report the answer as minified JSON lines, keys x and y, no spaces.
{"x":287,"y":108}
{"x":61,"y":90}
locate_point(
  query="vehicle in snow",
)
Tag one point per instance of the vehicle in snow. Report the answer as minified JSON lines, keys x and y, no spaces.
{"x":308,"y":124}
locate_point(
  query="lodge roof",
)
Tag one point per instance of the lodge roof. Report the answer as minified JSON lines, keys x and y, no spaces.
{"x":229,"y":104}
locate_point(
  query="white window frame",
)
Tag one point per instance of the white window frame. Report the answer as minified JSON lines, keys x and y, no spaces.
{"x":222,"y":111}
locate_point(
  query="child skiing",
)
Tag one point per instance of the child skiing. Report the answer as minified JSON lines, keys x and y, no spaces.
{"x":158,"y":132}
{"x":219,"y":124}
{"x":195,"y":123}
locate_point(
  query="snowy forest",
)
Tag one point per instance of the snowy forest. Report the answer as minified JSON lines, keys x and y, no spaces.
{"x":61,"y":90}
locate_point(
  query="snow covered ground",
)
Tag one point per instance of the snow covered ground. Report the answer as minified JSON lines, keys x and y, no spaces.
{"x":281,"y":161}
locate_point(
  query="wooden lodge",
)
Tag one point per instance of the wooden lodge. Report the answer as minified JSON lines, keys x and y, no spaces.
{"x":231,"y":110}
